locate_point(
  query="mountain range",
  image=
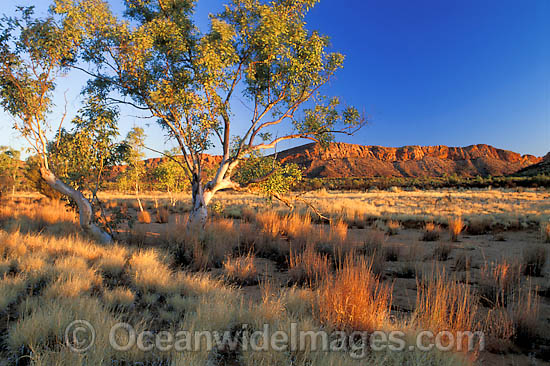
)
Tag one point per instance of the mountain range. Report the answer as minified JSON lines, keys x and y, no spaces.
{"x":341,"y":160}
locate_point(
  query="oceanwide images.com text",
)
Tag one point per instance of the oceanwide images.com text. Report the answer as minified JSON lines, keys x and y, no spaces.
{"x":80,"y":336}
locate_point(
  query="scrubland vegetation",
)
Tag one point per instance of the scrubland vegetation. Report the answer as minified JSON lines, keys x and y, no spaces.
{"x":259,"y":263}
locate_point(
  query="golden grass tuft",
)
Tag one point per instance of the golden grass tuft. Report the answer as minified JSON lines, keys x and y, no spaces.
{"x":479,"y":225}
{"x":354,"y":298}
{"x":10,"y":289}
{"x":270,"y":223}
{"x":299,"y":229}
{"x":444,"y":304}
{"x":338,"y":231}
{"x":144,"y":217}
{"x":241,"y":270}
{"x":74,"y":278}
{"x":393,"y":227}
{"x":308,"y":267}
{"x":497,"y":282}
{"x":113,"y":262}
{"x":31,"y":263}
{"x":119,"y":296}
{"x":456,"y":225}
{"x":41,"y":328}
{"x":149,"y":273}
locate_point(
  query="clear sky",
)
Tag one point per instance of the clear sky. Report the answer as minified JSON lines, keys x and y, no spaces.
{"x":425,"y":72}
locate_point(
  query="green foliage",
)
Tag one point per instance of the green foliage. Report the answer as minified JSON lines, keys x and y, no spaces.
{"x":159,"y":60}
{"x":267,"y":175}
{"x":34,"y":179}
{"x":9,"y":168}
{"x":81,"y":156}
{"x":33,"y":54}
{"x":133,"y":155}
{"x":171,"y":175}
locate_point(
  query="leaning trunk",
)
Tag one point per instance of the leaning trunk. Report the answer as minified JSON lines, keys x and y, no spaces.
{"x":199,"y":211}
{"x":84,"y":207}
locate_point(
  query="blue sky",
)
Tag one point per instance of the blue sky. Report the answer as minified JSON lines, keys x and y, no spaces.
{"x":426,"y":72}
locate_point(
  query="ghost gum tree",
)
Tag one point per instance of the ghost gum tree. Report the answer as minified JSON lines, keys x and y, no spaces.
{"x":257,"y":53}
{"x":33,"y":55}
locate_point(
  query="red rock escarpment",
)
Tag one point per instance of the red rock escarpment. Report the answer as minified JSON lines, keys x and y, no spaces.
{"x":348,"y":160}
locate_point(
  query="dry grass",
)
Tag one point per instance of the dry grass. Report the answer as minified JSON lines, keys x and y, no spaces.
{"x":46,"y":215}
{"x":149,"y":273}
{"x":498,"y":281}
{"x":137,"y":235}
{"x":442,"y":251}
{"x":444,"y":304}
{"x":373,"y":242}
{"x":432,"y":232}
{"x":241,"y":270}
{"x":308,"y":267}
{"x":299,"y":229}
{"x":119,"y":296}
{"x":499,"y":330}
{"x":144,"y":217}
{"x":163,"y":215}
{"x":463,"y":262}
{"x":338,"y":231}
{"x":11,"y":287}
{"x":39,"y":333}
{"x":50,"y":279}
{"x":480,"y":225}
{"x":354,"y":298}
{"x":524,"y":310}
{"x":113,"y":264}
{"x":456,"y":225}
{"x":393,"y":227}
{"x":270,"y":223}
{"x":534,"y":260}
{"x":201,"y":249}
{"x":545,"y":231}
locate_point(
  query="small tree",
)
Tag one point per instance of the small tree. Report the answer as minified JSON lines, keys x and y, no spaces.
{"x":9,"y":169}
{"x":33,"y":55}
{"x":135,"y":140}
{"x":189,"y":80}
{"x":81,"y":156}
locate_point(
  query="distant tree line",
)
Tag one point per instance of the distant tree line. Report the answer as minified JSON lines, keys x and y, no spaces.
{"x":449,"y":181}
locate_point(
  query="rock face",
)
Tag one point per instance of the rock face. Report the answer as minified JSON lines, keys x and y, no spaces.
{"x":348,"y":160}
{"x":541,"y":168}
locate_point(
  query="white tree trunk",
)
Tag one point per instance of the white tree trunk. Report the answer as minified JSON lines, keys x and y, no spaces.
{"x":199,"y":211}
{"x":84,"y":207}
